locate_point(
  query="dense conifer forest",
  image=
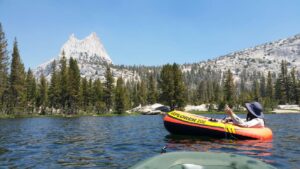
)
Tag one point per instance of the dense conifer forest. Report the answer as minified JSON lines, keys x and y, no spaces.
{"x":22,"y":93}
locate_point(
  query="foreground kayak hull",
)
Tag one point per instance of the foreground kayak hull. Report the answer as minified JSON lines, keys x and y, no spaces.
{"x":201,"y":160}
{"x":183,"y":123}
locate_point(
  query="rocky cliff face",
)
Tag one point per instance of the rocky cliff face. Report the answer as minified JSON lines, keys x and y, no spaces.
{"x":261,"y":58}
{"x":90,"y":49}
{"x":92,"y":59}
{"x":91,"y":56}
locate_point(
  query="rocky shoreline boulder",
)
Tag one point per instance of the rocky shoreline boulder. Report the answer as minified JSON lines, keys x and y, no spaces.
{"x":153,"y":109}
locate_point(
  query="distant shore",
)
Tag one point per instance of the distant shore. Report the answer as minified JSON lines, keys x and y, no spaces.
{"x":222,"y":112}
{"x":7,"y":116}
{"x":285,"y":111}
{"x":281,"y":109}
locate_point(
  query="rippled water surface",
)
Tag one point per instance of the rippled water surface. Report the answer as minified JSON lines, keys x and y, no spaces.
{"x":120,"y":142}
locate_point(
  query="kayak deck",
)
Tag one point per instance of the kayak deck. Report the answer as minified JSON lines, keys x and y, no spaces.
{"x":201,"y":160}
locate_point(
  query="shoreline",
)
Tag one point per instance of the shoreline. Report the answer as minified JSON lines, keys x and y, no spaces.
{"x":221,"y":112}
{"x":10,"y":116}
{"x":286,"y":111}
{"x":36,"y":115}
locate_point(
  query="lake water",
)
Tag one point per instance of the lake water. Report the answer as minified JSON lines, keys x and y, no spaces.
{"x":120,"y":142}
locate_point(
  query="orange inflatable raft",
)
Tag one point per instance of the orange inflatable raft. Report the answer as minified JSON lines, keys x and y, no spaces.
{"x":177,"y":122}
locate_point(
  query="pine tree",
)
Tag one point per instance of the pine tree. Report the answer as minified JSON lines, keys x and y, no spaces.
{"x":166,"y":84}
{"x":172,"y":87}
{"x":179,"y":88}
{"x":31,"y":93}
{"x":298,"y":92}
{"x":73,"y":86}
{"x":84,"y":94}
{"x":42,"y":98}
{"x":90,"y":95}
{"x":285,"y":83}
{"x":152,"y":90}
{"x":202,"y":92}
{"x":262,"y":86}
{"x":294,"y":85}
{"x":217,"y":92}
{"x":63,"y":82}
{"x":142,"y":93}
{"x":54,"y":88}
{"x":242,"y":85}
{"x":256,"y":91}
{"x":229,"y":89}
{"x":17,"y":82}
{"x":97,"y":91}
{"x":4,"y":63}
{"x":130,"y":93}
{"x":98,"y":97}
{"x":269,"y":88}
{"x":270,"y":98}
{"x":120,"y":97}
{"x":279,"y":94}
{"x":210,"y":91}
{"x":108,"y":89}
{"x":127,"y":97}
{"x":135,"y":95}
{"x":289,"y":89}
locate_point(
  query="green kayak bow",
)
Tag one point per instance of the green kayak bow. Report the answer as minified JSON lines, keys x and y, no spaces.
{"x":201,"y":160}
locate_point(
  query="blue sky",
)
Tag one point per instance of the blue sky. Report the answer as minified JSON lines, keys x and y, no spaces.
{"x":148,"y":32}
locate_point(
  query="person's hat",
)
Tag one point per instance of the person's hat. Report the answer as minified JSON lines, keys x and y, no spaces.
{"x":256,"y":109}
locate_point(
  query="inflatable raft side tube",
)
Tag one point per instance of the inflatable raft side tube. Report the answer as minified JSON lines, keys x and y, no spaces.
{"x":181,"y":129}
{"x":183,"y":123}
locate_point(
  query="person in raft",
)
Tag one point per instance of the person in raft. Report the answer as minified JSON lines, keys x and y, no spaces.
{"x":255,"y":116}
